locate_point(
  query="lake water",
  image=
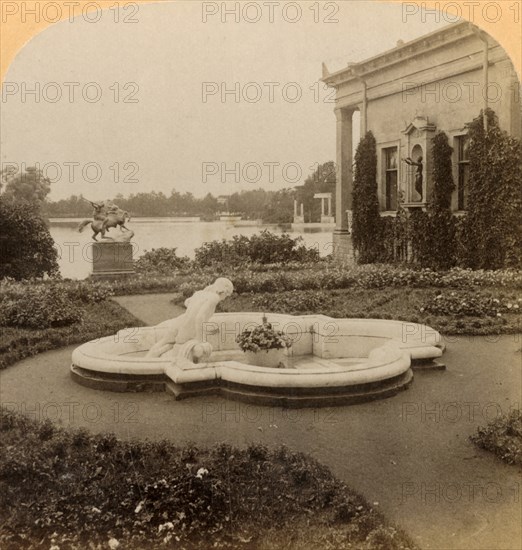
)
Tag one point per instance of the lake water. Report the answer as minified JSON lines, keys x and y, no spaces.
{"x":75,"y":249}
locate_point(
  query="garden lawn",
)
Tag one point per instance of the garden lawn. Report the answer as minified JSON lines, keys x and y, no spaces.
{"x":68,"y":489}
{"x":99,"y":319}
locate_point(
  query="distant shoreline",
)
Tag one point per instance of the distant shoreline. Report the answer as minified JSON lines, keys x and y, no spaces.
{"x":173,"y":219}
{"x":193,"y":219}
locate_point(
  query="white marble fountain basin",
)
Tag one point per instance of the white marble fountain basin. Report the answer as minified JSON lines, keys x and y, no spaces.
{"x":326,"y":353}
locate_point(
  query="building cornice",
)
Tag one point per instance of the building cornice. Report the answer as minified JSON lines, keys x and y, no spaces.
{"x":400,"y":54}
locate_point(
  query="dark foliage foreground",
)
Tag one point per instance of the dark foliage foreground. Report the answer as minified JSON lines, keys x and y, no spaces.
{"x":503,"y":437}
{"x":68,"y":489}
{"x":26,"y":246}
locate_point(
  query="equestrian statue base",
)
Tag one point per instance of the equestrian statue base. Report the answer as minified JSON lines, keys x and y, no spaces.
{"x":112,"y":259}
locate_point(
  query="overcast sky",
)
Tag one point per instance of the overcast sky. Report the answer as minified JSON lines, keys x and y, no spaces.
{"x":169,"y":135}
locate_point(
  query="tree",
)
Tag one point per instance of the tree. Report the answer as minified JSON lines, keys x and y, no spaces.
{"x":322,"y":180}
{"x":30,"y":186}
{"x":367,"y":226}
{"x":280,"y":207}
{"x":26,"y":246}
{"x":434,"y":230}
{"x":492,"y":230}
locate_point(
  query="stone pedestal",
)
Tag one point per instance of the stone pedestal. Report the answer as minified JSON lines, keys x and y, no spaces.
{"x":328,"y":220}
{"x":298,"y":218}
{"x":111,"y":260}
{"x":342,"y":247}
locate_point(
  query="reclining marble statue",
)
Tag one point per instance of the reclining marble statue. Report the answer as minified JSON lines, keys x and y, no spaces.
{"x":183,"y":337}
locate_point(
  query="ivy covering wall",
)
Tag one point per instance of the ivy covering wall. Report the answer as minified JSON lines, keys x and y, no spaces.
{"x":489,"y":236}
{"x":433,"y":231}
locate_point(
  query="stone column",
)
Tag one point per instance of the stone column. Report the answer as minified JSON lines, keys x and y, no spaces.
{"x":302,"y":210}
{"x":344,"y":182}
{"x":298,"y":218}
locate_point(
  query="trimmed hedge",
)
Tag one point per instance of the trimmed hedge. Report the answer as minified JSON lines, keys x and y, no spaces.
{"x":98,"y":320}
{"x":46,"y":304}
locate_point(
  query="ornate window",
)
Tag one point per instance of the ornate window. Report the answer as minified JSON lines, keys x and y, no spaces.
{"x":463,"y":171}
{"x":391,"y":177}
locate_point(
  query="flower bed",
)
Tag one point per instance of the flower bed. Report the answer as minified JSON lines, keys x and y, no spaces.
{"x":72,"y":490}
{"x":503,"y":437}
{"x":331,"y":276}
{"x":402,"y":304}
{"x":471,"y":305}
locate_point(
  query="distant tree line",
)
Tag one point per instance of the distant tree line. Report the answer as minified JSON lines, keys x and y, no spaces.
{"x":269,"y":206}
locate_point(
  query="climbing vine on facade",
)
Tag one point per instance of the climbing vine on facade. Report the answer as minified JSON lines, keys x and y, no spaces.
{"x":433,"y":231}
{"x":492,"y":229}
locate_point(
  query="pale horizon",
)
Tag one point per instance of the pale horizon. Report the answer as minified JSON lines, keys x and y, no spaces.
{"x":166,"y":62}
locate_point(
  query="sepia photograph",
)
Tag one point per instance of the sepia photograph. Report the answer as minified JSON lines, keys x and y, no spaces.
{"x":260,"y":275}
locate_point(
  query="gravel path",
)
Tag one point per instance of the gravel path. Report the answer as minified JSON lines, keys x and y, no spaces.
{"x":410,"y":453}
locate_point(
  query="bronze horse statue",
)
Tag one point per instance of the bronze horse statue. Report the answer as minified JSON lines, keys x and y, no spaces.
{"x":105,"y":219}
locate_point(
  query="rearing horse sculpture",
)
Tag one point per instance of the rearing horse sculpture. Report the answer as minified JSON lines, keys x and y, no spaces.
{"x":104,"y":219}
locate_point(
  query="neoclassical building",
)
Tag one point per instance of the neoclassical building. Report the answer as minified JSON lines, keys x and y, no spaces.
{"x":439,"y":81}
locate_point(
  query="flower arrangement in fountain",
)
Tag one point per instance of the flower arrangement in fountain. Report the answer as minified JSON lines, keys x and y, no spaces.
{"x":262,"y":338}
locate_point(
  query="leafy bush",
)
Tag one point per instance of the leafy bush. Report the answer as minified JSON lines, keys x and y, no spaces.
{"x":503,"y":437}
{"x":41,"y":306}
{"x":470,"y":304}
{"x":263,"y":248}
{"x":98,"y":320}
{"x":86,"y":292}
{"x":29,"y":186}
{"x":160,"y":260}
{"x":26,"y":246}
{"x":47,"y":304}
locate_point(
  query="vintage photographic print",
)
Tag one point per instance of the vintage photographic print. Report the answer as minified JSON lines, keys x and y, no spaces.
{"x":260,"y":275}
